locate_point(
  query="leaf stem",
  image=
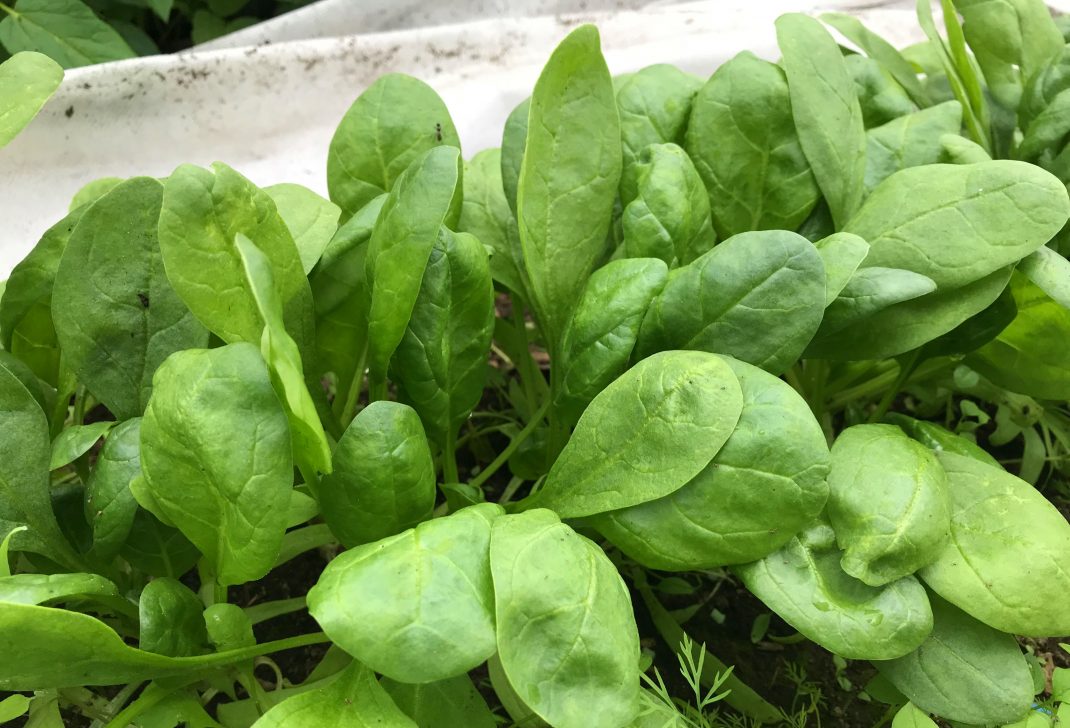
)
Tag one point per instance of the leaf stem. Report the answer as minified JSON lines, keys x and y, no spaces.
{"x":505,"y":454}
{"x":449,"y":456}
{"x":907,"y":365}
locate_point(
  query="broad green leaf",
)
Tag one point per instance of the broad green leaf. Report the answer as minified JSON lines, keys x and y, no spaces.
{"x":1006,"y":563}
{"x":938,"y":438}
{"x":215,"y":452}
{"x":669,"y":217}
{"x":960,"y":150}
{"x":391,"y":125}
{"x":354,"y":699}
{"x":888,"y":503}
{"x":645,"y":435}
{"x":805,"y":585}
{"x":654,"y":104}
{"x":514,"y":137}
{"x":870,"y":291}
{"x":440,"y":366}
{"x":1030,"y":356}
{"x":116,"y":315}
{"x":568,"y":178}
{"x":418,"y":606}
{"x":452,"y":703}
{"x":172,"y":620}
{"x":1050,"y":272}
{"x":74,"y":442}
{"x":1048,"y":131}
{"x":910,"y":717}
{"x":157,"y":549}
{"x":13,"y":706}
{"x":24,"y":479}
{"x":757,"y":296}
{"x":310,"y":447}
{"x":383,"y":479}
{"x":67,"y":31}
{"x":342,"y":298}
{"x":881,"y":51}
{"x":202,"y":212}
{"x":52,"y":588}
{"x":27,"y":81}
{"x":910,"y":141}
{"x":742,"y":139}
{"x":311,"y":220}
{"x":841,"y":253}
{"x":109,"y":503}
{"x":228,"y":627}
{"x":485,"y":213}
{"x":828,"y":118}
{"x":965,"y":671}
{"x":604,"y":327}
{"x":764,"y":485}
{"x":400,"y":246}
{"x":519,"y":711}
{"x":93,"y":191}
{"x":558,"y":596}
{"x":881,"y":97}
{"x":975,"y":331}
{"x":959,"y":223}
{"x":25,"y":375}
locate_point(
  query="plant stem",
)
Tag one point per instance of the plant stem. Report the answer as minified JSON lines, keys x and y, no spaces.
{"x":882,"y":381}
{"x":269,"y":610}
{"x":907,"y":365}
{"x":505,"y":454}
{"x":449,"y":456}
{"x":352,"y":393}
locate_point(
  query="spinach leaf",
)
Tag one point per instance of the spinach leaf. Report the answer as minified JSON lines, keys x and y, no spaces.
{"x":758,"y":297}
{"x":1006,"y":561}
{"x":938,"y":438}
{"x":116,"y":315}
{"x":582,"y":628}
{"x":604,"y":327}
{"x":828,"y":118}
{"x":27,"y":81}
{"x":842,"y":254}
{"x":1050,"y":272}
{"x":400,"y":246}
{"x":157,"y":549}
{"x":645,"y":435}
{"x":888,"y":503}
{"x":568,"y":178}
{"x":870,"y":291}
{"x":215,"y":452}
{"x":451,"y":703}
{"x":441,"y":363}
{"x":383,"y":479}
{"x":669,"y":217}
{"x":959,"y":150}
{"x":881,"y":97}
{"x":75,"y":441}
{"x":485,"y":213}
{"x":51,"y":588}
{"x":396,"y":121}
{"x":881,"y":51}
{"x":311,"y":220}
{"x":805,"y":585}
{"x":742,"y":139}
{"x":910,"y":141}
{"x":172,"y":620}
{"x":965,"y":671}
{"x":418,"y":606}
{"x":109,"y":504}
{"x":654,"y":104}
{"x":763,"y":486}
{"x":67,"y":31}
{"x":514,"y":138}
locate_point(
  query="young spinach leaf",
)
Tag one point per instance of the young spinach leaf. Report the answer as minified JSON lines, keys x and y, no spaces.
{"x":27,"y":81}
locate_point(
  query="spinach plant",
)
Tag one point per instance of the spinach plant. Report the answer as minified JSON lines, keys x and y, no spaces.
{"x":672,"y":324}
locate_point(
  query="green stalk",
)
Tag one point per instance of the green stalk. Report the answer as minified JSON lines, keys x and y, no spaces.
{"x":504,"y":455}
{"x":907,"y":365}
{"x":449,"y":456}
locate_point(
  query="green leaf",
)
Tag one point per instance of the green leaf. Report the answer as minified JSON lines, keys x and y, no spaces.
{"x":50,"y":588}
{"x":965,"y":671}
{"x":351,"y":700}
{"x":669,"y":218}
{"x":311,"y":220}
{"x":116,"y":315}
{"x":401,"y":243}
{"x":959,"y":150}
{"x":391,"y":125}
{"x":842,"y":254}
{"x":228,"y":627}
{"x":870,"y":291}
{"x":881,"y":51}
{"x":27,"y":81}
{"x":66,"y":31}
{"x":310,"y":448}
{"x":172,"y":620}
{"x":12,"y":707}
{"x":452,"y":703}
{"x":418,"y":606}
{"x":603,"y":330}
{"x":485,"y":213}
{"x":654,"y":104}
{"x":441,"y":363}
{"x":384,"y":477}
{"x":828,"y":118}
{"x":1050,"y":272}
{"x":805,"y":585}
{"x":881,"y":97}
{"x":93,"y":191}
{"x":514,"y":137}
{"x":568,"y":178}
{"x":742,"y":139}
{"x":910,"y":717}
{"x":910,"y":141}
{"x":645,"y":435}
{"x":938,"y":438}
{"x":1006,"y":562}
{"x":202,"y":212}
{"x":156,"y":549}
{"x":109,"y":504}
{"x":558,"y":596}
{"x":888,"y":503}
{"x":215,"y":451}
{"x":74,"y":442}
{"x":1029,"y":356}
{"x":764,"y":485}
{"x":757,"y":296}
{"x":959,"y":223}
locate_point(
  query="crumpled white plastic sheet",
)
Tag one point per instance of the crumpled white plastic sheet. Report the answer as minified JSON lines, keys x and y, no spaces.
{"x":270,"y":110}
